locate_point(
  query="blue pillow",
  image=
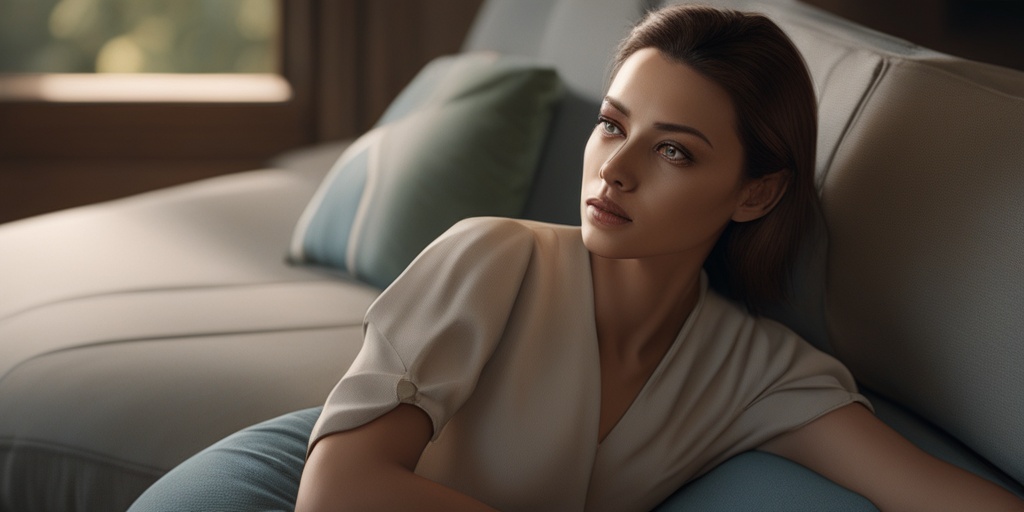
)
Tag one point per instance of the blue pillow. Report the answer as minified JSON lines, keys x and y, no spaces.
{"x":257,"y":468}
{"x":462,"y":140}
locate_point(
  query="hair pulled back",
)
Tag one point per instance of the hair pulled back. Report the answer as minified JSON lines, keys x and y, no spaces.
{"x":776,"y":120}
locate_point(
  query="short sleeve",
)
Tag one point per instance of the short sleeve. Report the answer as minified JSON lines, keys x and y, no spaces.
{"x":428,"y":336}
{"x":798,"y":384}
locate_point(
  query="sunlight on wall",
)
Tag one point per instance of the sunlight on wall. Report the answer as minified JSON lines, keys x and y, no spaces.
{"x":141,"y":87}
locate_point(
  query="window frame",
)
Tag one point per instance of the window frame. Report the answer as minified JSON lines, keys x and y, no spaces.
{"x":155,"y":124}
{"x":342,"y":60}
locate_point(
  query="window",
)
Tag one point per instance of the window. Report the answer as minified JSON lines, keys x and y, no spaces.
{"x":137,"y":112}
{"x":181,"y":51}
{"x":139,"y":36}
{"x":106,"y":98}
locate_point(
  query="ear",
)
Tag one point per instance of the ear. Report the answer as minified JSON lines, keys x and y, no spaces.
{"x":760,"y":195}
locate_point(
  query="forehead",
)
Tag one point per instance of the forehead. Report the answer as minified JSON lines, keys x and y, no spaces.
{"x":654,"y":85}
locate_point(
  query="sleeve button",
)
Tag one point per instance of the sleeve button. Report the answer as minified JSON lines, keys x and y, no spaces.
{"x":406,"y":391}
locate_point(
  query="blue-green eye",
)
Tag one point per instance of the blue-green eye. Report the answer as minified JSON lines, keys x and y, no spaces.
{"x":673,"y":153}
{"x":608,"y":127}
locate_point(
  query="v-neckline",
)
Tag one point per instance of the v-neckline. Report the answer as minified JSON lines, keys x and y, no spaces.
{"x":658,"y":369}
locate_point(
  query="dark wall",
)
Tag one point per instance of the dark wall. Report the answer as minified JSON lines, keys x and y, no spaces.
{"x":989,"y":31}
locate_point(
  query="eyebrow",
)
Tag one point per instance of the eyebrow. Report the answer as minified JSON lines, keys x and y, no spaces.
{"x":668,"y":127}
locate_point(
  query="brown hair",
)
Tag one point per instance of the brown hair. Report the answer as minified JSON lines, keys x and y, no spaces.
{"x":776,"y":120}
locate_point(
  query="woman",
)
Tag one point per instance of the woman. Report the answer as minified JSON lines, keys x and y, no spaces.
{"x":521,"y":365}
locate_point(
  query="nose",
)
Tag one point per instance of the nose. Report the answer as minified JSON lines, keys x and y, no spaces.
{"x":617,"y":169}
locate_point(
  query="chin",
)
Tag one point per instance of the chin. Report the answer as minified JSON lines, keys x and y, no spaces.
{"x":604,"y":244}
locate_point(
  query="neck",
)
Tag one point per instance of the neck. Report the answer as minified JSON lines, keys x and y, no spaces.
{"x":641,"y":304}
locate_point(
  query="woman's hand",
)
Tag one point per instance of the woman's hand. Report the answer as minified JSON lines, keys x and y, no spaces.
{"x":853,"y":448}
{"x":371,"y":468}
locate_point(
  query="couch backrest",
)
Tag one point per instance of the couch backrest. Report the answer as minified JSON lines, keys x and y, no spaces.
{"x":926,"y":260}
{"x":578,"y":37}
{"x":921,"y":172}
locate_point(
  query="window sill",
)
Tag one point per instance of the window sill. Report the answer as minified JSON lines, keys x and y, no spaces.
{"x":145,"y":88}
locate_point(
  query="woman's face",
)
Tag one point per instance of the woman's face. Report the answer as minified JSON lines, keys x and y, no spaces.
{"x":662,"y":169}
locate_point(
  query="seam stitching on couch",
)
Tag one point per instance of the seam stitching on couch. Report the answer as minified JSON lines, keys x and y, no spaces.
{"x":41,"y":355}
{"x":880,"y":71}
{"x":133,"y":291}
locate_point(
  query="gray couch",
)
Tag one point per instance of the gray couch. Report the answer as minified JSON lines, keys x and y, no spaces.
{"x":137,"y":332}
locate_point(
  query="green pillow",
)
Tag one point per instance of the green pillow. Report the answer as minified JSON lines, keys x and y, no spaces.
{"x":462,"y":140}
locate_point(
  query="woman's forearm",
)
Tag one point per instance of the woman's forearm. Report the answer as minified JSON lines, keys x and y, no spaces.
{"x":376,"y":488}
{"x":372,"y":468}
{"x":854,"y":449}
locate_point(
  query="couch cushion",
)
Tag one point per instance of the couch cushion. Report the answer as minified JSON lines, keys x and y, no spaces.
{"x":581,"y":37}
{"x":102,"y":309}
{"x":926,"y":264}
{"x":199,"y":234}
{"x":89,"y":428}
{"x":461,"y":141}
{"x":578,"y":37}
{"x":509,"y":27}
{"x":254,"y":469}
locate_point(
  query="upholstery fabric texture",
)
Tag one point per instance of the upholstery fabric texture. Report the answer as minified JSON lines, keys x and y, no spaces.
{"x":925,"y":266}
{"x":256,"y":469}
{"x":462,"y":140}
{"x":137,"y":332}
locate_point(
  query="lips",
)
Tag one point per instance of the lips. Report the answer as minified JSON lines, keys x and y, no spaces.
{"x":607,"y":206}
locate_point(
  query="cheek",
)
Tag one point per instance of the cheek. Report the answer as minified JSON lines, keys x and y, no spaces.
{"x":592,"y":155}
{"x":709,"y":206}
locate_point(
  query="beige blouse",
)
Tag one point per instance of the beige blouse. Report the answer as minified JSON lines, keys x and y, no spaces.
{"x":491,"y":331}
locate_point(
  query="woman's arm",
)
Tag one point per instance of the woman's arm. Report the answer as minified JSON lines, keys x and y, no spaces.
{"x":371,"y":468}
{"x":853,"y":448}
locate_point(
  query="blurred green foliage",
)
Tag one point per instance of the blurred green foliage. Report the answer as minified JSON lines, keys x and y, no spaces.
{"x":139,"y":36}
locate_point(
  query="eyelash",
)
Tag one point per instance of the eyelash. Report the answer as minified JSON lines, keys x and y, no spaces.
{"x":605,"y":123}
{"x":609,"y":128}
{"x":684,"y":156}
